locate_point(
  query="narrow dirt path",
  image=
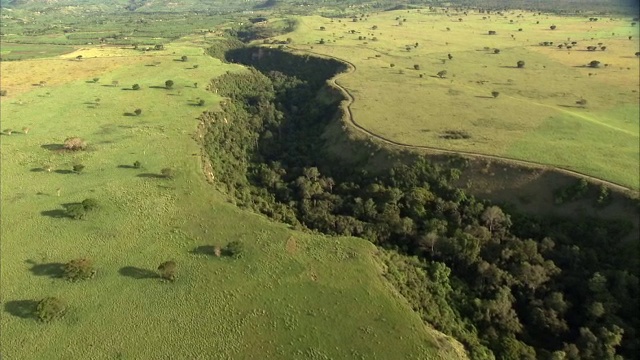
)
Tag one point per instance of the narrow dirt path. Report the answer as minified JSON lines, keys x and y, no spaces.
{"x":351,"y":68}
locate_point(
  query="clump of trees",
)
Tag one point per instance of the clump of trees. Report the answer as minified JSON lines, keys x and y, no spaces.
{"x":50,"y":308}
{"x":74,"y":144}
{"x":79,"y":211}
{"x":168,"y":270}
{"x":234,"y":249}
{"x":79,"y":269}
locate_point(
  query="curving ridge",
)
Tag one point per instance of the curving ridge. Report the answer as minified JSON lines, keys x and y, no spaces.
{"x":350,"y":99}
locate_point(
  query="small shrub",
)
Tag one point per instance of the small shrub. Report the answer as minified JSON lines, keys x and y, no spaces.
{"x":74,"y":144}
{"x":79,"y":269}
{"x":8,"y":131}
{"x":168,"y":270}
{"x":168,"y":173}
{"x":495,"y":94}
{"x":416,"y":66}
{"x":184,"y":58}
{"x":95,"y":80}
{"x":520,"y":64}
{"x":496,"y":51}
{"x":594,"y":64}
{"x":196,"y":66}
{"x":552,"y":27}
{"x":50,"y":308}
{"x":115,"y":83}
{"x":234,"y":249}
{"x":392,"y":65}
{"x":137,"y":112}
{"x":3,"y":92}
{"x":441,"y":74}
{"x":76,"y":211}
{"x":77,"y":168}
{"x":168,"y":84}
{"x":90,"y":204}
{"x":201,"y":102}
{"x":135,"y":87}
{"x":137,"y":164}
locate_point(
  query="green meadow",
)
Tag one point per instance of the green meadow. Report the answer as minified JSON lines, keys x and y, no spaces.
{"x":291,"y":294}
{"x":534,"y":116}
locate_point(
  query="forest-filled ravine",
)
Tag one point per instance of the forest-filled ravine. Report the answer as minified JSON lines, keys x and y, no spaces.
{"x":507,"y":285}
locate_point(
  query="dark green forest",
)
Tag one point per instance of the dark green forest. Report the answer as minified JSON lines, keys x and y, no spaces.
{"x":505,"y":284}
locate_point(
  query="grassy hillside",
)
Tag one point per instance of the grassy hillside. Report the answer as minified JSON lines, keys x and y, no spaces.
{"x":292,"y":295}
{"x":534,"y":116}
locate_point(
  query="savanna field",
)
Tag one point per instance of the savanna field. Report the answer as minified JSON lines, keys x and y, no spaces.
{"x":425,"y":78}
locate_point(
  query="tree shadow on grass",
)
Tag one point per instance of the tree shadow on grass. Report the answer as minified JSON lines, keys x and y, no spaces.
{"x":52,"y":270}
{"x":129,"y":114}
{"x":203,"y":250}
{"x":63,"y":172}
{"x":126,"y":167}
{"x":151,"y":176}
{"x":484,"y":97}
{"x":157,"y":87}
{"x":138,"y":273}
{"x":25,"y":309}
{"x":56,"y":214}
{"x":37,"y":170}
{"x":53,"y":147}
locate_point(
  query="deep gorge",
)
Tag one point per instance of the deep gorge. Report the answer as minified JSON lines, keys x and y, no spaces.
{"x":505,"y":284}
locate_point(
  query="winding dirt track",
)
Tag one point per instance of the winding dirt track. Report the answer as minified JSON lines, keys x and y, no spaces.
{"x":351,"y":68}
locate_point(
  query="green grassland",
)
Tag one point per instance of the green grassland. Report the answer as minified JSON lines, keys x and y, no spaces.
{"x":535,"y":116}
{"x":293,"y":294}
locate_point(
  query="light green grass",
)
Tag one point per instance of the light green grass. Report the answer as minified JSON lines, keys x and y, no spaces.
{"x":417,"y":111}
{"x":323,"y":298}
{"x":28,"y":51}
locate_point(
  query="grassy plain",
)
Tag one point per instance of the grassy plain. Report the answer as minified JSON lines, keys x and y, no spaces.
{"x":534,"y":118}
{"x":293,"y":295}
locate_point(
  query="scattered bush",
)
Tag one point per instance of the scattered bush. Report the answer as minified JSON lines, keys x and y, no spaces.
{"x":95,"y":80}
{"x":90,"y":204}
{"x":50,"y":308}
{"x":552,"y":27}
{"x":76,"y":211}
{"x":441,"y":74}
{"x":234,"y":249}
{"x":201,"y":102}
{"x":572,"y":192}
{"x":455,"y":135}
{"x":74,"y":144}
{"x":135,"y":87}
{"x":496,"y":51}
{"x":79,"y":269}
{"x":184,"y":58}
{"x":495,"y":94}
{"x":604,"y":196}
{"x":137,"y":164}
{"x":594,"y":64}
{"x":520,"y":64}
{"x":168,"y":84}
{"x":168,"y":270}
{"x":137,"y":112}
{"x":3,"y":92}
{"x":77,"y":168}
{"x":168,"y":173}
{"x":416,"y":66}
{"x":8,"y":131}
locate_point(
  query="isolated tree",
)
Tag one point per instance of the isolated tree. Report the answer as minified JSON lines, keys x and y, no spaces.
{"x":603,"y":48}
{"x":196,"y":66}
{"x":25,"y":130}
{"x":3,"y":92}
{"x":581,"y":102}
{"x":115,"y":83}
{"x":441,"y":74}
{"x":492,"y":32}
{"x":374,"y":27}
{"x":79,"y":57}
{"x":184,"y":58}
{"x":167,"y":173}
{"x":322,"y":28}
{"x":137,"y":112}
{"x":289,"y":40}
{"x":520,"y":64}
{"x":47,"y":168}
{"x":496,"y":51}
{"x":495,"y":94}
{"x":195,"y":85}
{"x":416,"y":66}
{"x":136,"y":87}
{"x":168,"y":84}
{"x":638,"y":53}
{"x":450,"y":56}
{"x":77,"y":168}
{"x":168,"y":270}
{"x":79,"y":269}
{"x":234,"y":249}
{"x":74,"y":144}
{"x":594,"y":64}
{"x":520,"y":29}
{"x":201,"y":102}
{"x":552,"y":27}
{"x":95,"y":80}
{"x":8,"y":131}
{"x":392,"y":65}
{"x":321,"y":42}
{"x":137,"y":164}
{"x":50,"y":308}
